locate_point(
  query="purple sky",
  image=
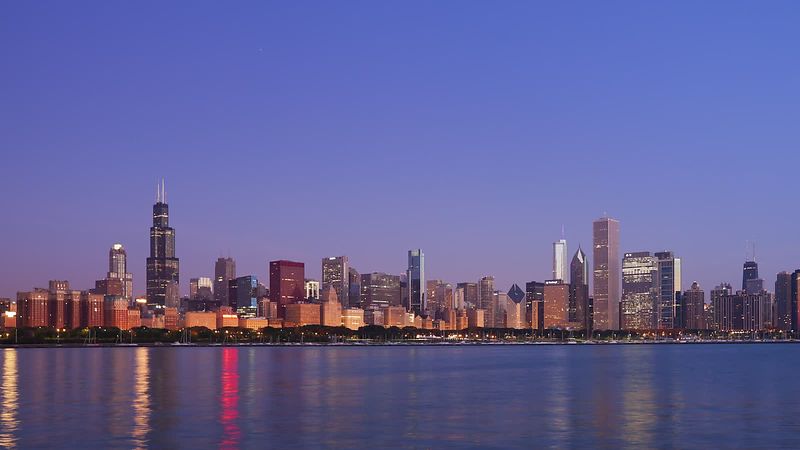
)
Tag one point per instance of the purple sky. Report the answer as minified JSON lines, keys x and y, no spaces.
{"x":473,"y":130}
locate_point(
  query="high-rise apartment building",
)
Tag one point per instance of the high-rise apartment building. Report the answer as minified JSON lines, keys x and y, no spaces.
{"x":560,"y":261}
{"x":162,"y":265}
{"x":694,"y":314}
{"x":607,"y":274}
{"x":639,"y":273}
{"x":336,"y":273}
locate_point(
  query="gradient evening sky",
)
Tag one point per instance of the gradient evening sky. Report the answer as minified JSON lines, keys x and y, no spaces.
{"x":473,"y":130}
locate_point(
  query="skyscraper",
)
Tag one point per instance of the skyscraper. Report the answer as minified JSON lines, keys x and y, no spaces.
{"x":560,"y":260}
{"x":534,"y":304}
{"x":783,"y":301}
{"x":694,"y":315}
{"x":416,"y":281}
{"x":669,"y":282}
{"x":380,"y":290}
{"x":579,"y":289}
{"x":749,"y":272}
{"x":556,"y":304}
{"x":286,"y":283}
{"x":118,"y":269}
{"x":795,"y":301}
{"x":336,"y":273}
{"x":162,"y":265}
{"x":354,"y":289}
{"x":224,"y":271}
{"x":607,"y":274}
{"x":486,"y":299}
{"x":639,"y":273}
{"x":470,"y":295}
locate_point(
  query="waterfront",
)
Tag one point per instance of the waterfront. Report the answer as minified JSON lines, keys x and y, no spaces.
{"x":524,"y":396}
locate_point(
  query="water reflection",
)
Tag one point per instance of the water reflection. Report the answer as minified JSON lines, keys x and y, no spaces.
{"x":229,"y":399}
{"x":9,"y":400}
{"x":141,"y":398}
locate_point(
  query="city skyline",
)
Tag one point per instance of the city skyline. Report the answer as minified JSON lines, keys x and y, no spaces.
{"x":232,"y":119}
{"x":558,"y":248}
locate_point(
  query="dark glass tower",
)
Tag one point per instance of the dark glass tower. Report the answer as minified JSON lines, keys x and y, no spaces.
{"x":416,"y":281}
{"x":749,"y":272}
{"x":579,"y":289}
{"x":162,"y":265}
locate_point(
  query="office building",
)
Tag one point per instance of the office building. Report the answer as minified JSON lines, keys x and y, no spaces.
{"x":534,"y":304}
{"x":560,"y":258}
{"x":470,"y":295}
{"x":354,"y":286}
{"x":286,"y":283}
{"x":162,"y":265}
{"x":668,"y":283}
{"x":416,"y":282}
{"x":204,"y":284}
{"x":515,"y":308}
{"x":243,"y":294}
{"x":118,"y":270}
{"x":639,"y":273}
{"x":336,"y":273}
{"x":607,"y":274}
{"x":579,"y":290}
{"x":224,"y":272}
{"x":312,"y":290}
{"x":380,"y":290}
{"x":486,"y":300}
{"x":556,"y":305}
{"x":694,"y":301}
{"x":302,"y":314}
{"x":783,"y":301}
{"x":749,"y":272}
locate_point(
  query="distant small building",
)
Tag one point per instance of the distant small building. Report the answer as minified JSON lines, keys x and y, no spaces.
{"x":353,"y":318}
{"x":302,"y":314}
{"x":205,"y":319}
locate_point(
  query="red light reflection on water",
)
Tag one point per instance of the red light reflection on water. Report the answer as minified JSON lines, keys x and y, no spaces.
{"x":229,"y":399}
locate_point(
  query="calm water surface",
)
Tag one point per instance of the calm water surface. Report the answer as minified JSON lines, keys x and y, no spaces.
{"x":633,"y":396}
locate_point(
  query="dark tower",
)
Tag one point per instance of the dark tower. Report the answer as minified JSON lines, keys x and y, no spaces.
{"x":749,"y":272}
{"x":579,"y":289}
{"x":162,"y":265}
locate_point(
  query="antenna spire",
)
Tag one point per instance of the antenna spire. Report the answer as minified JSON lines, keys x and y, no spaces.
{"x":163,"y":191}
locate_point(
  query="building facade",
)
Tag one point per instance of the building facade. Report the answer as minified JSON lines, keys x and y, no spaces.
{"x":607,"y":274}
{"x":162,"y":264}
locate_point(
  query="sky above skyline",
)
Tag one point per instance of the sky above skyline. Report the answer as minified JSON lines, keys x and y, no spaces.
{"x":472,"y":130}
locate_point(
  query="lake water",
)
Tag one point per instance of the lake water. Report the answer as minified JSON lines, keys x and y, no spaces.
{"x":557,"y":396}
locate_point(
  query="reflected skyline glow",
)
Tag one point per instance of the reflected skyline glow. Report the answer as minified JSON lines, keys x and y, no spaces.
{"x":9,"y":401}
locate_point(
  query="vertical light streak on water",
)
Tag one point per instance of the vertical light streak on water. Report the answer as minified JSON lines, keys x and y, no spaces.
{"x":141,"y":398}
{"x":9,"y":400}
{"x":231,"y":433}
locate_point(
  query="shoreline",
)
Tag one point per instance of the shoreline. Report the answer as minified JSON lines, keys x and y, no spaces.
{"x":391,"y":344}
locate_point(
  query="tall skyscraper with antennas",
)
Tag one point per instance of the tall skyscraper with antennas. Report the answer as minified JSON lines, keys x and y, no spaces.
{"x":162,"y":265}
